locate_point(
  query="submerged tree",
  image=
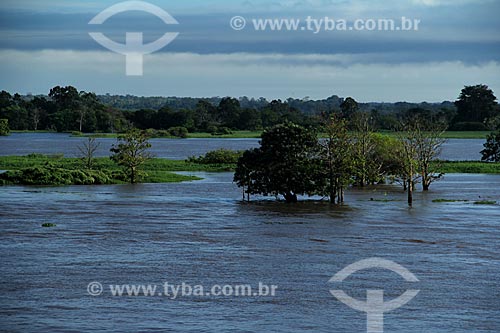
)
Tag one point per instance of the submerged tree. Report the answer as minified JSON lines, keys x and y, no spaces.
{"x":429,"y":146}
{"x":420,"y":147}
{"x":367,"y":165}
{"x":337,"y":158}
{"x":131,"y":153}
{"x":491,"y":151}
{"x":408,"y":140}
{"x":87,"y":152}
{"x":286,"y":163}
{"x":250,"y":173}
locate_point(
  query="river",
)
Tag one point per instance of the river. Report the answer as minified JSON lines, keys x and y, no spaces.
{"x":179,"y":149}
{"x":200,"y":233}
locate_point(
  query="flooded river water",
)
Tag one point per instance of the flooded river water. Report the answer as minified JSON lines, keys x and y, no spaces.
{"x":200,"y":233}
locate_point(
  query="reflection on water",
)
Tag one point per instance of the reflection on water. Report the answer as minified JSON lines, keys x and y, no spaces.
{"x":51,"y":143}
{"x":200,"y":233}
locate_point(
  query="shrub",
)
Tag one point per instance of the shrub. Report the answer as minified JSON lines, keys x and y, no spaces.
{"x":491,"y":151}
{"x":178,"y":132}
{"x":4,"y":127}
{"x":162,"y":134}
{"x":214,"y":130}
{"x":219,"y":156}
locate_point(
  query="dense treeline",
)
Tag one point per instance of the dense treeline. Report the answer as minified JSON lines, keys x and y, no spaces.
{"x":64,"y":109}
{"x":67,"y":109}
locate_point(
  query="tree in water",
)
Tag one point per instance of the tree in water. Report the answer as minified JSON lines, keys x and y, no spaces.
{"x":131,"y":152}
{"x":337,"y":158}
{"x":408,"y":140}
{"x":429,"y":146}
{"x":87,"y":152}
{"x":367,"y":165}
{"x":286,"y":163}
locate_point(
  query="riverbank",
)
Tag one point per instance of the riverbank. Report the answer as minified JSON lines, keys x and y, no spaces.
{"x":257,"y":134}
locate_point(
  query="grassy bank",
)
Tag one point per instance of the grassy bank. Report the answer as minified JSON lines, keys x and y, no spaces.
{"x":453,"y":134}
{"x":470,"y":167}
{"x":157,"y":170}
{"x":257,"y":134}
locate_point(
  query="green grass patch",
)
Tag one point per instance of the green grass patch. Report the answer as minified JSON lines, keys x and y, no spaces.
{"x":257,"y":134}
{"x":383,"y":200}
{"x":469,"y":167}
{"x":58,"y":170}
{"x":451,"y":134}
{"x":448,"y":200}
{"x":466,"y":134}
{"x":485,"y":202}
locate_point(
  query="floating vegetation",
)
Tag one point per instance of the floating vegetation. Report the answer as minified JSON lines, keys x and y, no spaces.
{"x":485,"y":202}
{"x":418,"y":241}
{"x":49,"y":225}
{"x":318,"y":240}
{"x":448,"y":200}
{"x":384,"y":200}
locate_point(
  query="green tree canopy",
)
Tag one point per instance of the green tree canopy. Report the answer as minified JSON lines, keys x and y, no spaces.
{"x":476,"y":104}
{"x":286,"y":163}
{"x":349,"y":107}
{"x":131,"y":152}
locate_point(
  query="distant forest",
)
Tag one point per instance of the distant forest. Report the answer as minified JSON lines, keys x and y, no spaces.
{"x":66,"y":109}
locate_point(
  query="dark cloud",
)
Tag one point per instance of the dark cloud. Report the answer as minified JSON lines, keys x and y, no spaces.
{"x":453,"y":39}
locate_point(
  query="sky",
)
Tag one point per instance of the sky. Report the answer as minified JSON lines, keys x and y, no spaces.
{"x":47,"y":43}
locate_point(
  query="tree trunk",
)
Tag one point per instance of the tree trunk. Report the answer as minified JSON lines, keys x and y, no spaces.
{"x":132,"y":176}
{"x":332,"y":188}
{"x":426,"y":185}
{"x":410,"y":193}
{"x":426,"y":179}
{"x":81,"y":122}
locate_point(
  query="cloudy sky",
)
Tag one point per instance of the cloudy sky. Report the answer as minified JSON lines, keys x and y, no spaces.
{"x":47,"y":43}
